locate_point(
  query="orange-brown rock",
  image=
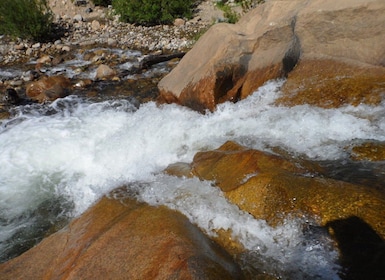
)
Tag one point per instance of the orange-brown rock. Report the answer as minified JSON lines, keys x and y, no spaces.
{"x":229,"y":62}
{"x":372,"y":151}
{"x":124,"y":239}
{"x":104,"y":72}
{"x":328,"y":83}
{"x":232,"y":164}
{"x":49,"y":88}
{"x":274,"y":189}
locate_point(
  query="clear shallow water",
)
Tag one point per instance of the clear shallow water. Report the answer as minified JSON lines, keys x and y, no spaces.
{"x":64,"y":156}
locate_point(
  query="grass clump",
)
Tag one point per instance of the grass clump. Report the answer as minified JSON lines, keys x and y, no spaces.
{"x":26,"y":19}
{"x":152,"y":12}
{"x":228,"y":13}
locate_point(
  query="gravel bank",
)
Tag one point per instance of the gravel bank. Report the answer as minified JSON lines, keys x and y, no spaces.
{"x":87,"y":25}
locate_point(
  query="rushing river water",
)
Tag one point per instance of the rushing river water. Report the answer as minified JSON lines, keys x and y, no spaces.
{"x":59,"y":158}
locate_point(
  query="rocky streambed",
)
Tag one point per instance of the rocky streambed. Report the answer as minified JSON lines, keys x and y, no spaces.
{"x":89,"y":38}
{"x":282,"y":177}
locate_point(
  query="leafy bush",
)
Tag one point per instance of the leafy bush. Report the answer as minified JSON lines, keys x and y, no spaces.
{"x":152,"y":12}
{"x":103,"y":3}
{"x":31,"y":19}
{"x":228,"y":13}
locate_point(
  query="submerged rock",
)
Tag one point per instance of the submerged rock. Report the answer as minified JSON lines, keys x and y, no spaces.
{"x":119,"y":238}
{"x":322,"y":46}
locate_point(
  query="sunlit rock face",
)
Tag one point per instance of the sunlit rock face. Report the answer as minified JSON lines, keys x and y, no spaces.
{"x":49,"y":88}
{"x":371,"y":150}
{"x":119,"y":238}
{"x":329,"y":83}
{"x":329,"y":45}
{"x":276,"y":188}
{"x":231,"y":165}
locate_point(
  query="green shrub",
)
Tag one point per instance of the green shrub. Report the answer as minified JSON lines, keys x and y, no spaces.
{"x":228,"y":13}
{"x":30,"y":19}
{"x":152,"y":12}
{"x":103,"y":3}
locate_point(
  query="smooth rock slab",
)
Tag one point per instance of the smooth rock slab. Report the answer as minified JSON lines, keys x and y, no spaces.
{"x":123,"y":239}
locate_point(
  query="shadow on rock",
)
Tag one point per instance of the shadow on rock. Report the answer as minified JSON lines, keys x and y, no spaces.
{"x":362,"y":249}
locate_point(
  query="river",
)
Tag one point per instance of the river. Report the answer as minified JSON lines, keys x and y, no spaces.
{"x":57,"y":159}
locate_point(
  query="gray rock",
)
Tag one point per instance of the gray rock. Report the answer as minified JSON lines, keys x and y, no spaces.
{"x":78,"y":18}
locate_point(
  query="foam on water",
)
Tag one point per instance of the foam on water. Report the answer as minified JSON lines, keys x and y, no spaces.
{"x":78,"y":151}
{"x":289,"y":251}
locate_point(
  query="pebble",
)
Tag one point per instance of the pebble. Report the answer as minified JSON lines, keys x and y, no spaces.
{"x":95,"y":25}
{"x":78,"y":18}
{"x":66,"y":49}
{"x":29,"y":51}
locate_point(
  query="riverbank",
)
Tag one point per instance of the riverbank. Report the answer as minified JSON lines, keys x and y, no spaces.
{"x":89,"y":25}
{"x":88,"y":36}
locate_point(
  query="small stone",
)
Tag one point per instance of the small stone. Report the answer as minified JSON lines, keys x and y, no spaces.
{"x":36,"y":46}
{"x":20,"y":47}
{"x":80,"y":3}
{"x":87,"y":42}
{"x":48,"y":88}
{"x":104,"y":72}
{"x":66,"y":49}
{"x":83,"y":83}
{"x":95,"y":25}
{"x":179,"y":22}
{"x":16,"y":83}
{"x":29,"y":76}
{"x":29,"y":51}
{"x":78,"y":18}
{"x":44,"y":59}
{"x":112,"y":42}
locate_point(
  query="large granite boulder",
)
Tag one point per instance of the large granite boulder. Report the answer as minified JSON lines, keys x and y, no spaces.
{"x":276,"y":188}
{"x":119,"y":238}
{"x":329,"y":44}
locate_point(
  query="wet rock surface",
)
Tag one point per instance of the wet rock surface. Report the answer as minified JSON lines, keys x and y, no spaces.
{"x":271,"y":188}
{"x":120,"y":238}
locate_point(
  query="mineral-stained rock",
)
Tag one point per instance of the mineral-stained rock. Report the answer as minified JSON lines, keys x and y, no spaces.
{"x":231,"y":165}
{"x":274,"y":189}
{"x":119,"y":238}
{"x":49,"y":88}
{"x":336,"y":45}
{"x":328,"y":83}
{"x":372,"y":151}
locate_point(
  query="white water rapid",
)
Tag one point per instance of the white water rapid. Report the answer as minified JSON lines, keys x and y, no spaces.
{"x":72,"y":152}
